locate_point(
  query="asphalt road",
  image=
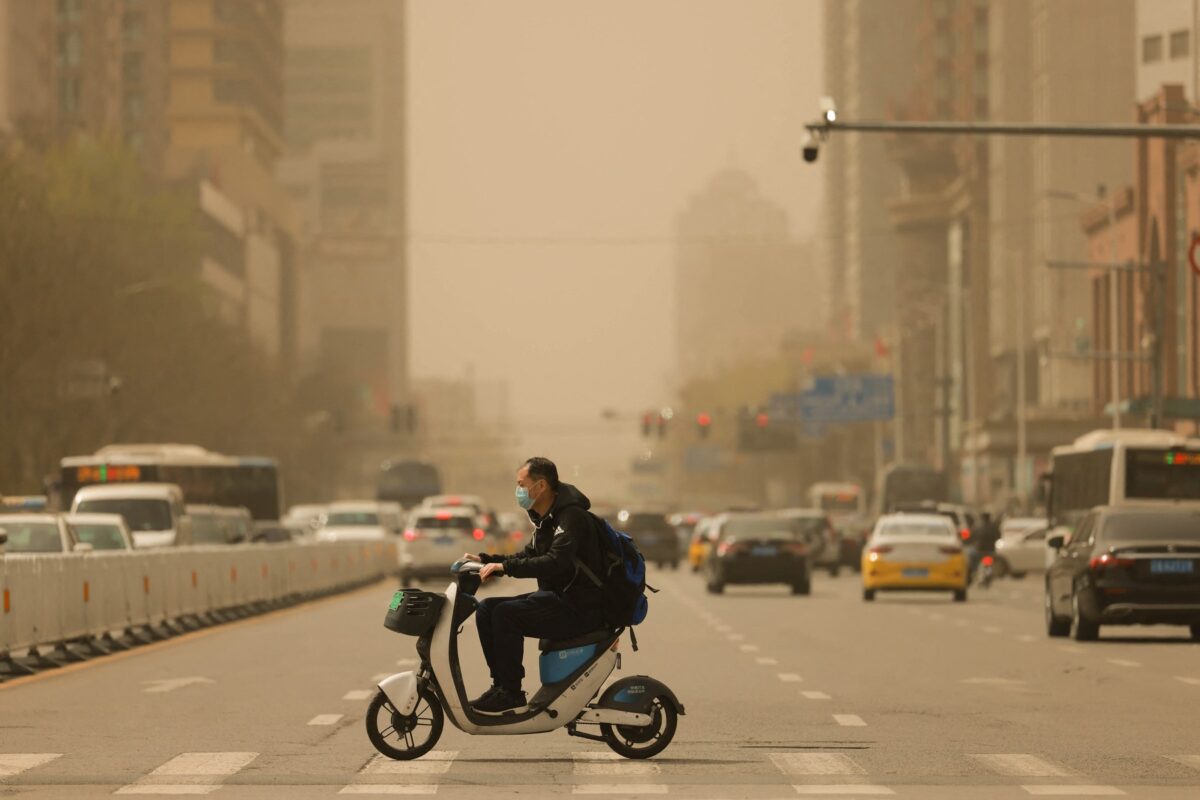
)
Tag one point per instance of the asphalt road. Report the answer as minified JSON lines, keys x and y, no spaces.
{"x":823,"y":696}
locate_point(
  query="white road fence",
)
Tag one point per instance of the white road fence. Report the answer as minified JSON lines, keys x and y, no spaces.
{"x":55,"y":599}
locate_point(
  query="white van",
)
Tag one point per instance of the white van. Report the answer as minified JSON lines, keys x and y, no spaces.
{"x":154,"y":512}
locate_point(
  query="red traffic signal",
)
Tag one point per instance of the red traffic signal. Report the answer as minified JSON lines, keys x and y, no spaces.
{"x":762,"y":420}
{"x":703,"y":422}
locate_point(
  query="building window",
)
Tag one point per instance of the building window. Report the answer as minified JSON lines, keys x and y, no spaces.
{"x":229,"y":92}
{"x":70,"y":10}
{"x":1152,"y":48}
{"x":133,"y":26}
{"x":134,"y":105}
{"x":1179,"y":44}
{"x":68,"y":95}
{"x":131,"y":67}
{"x":68,"y":48}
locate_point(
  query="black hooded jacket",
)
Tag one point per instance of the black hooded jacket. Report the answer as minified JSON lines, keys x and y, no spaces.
{"x":566,"y":532}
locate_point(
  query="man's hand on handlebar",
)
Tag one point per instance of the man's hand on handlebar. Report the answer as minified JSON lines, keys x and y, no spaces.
{"x":489,"y":570}
{"x":470,"y":557}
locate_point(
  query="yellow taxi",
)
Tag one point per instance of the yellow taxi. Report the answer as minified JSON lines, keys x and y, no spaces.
{"x":701,"y":543}
{"x":914,"y":552}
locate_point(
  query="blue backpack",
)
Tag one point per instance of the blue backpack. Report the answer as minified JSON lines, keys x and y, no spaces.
{"x":622,"y":579}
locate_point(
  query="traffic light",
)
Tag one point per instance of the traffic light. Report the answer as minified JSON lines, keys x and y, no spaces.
{"x":762,"y":420}
{"x":703,"y":423}
{"x":647,"y":423}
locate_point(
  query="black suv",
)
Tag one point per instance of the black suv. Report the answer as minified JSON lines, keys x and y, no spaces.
{"x":654,"y":535}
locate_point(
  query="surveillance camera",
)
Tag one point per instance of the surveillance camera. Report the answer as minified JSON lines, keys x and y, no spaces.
{"x":828,"y":110}
{"x":810,"y":148}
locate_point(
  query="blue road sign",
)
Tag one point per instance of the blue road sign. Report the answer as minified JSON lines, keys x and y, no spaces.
{"x":846,"y":398}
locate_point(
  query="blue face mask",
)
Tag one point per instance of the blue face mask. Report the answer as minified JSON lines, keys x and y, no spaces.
{"x":523,"y":498}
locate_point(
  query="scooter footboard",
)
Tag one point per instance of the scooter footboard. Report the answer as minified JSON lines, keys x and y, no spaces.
{"x":401,"y":689}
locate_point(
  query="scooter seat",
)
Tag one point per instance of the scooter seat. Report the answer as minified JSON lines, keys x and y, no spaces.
{"x":547,"y":645}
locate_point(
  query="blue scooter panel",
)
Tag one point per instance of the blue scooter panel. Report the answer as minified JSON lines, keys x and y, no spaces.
{"x":558,"y":665}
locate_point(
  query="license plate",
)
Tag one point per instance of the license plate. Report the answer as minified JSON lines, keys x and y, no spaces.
{"x":444,"y":540}
{"x":1172,"y":566}
{"x":914,"y":572}
{"x":764,"y":551}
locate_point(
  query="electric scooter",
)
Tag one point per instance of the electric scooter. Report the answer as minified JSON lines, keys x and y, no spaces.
{"x":635,"y":716}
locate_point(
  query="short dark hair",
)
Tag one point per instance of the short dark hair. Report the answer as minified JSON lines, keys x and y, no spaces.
{"x":542,"y":469}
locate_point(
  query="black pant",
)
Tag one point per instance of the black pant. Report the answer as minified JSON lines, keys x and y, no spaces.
{"x":504,"y":622}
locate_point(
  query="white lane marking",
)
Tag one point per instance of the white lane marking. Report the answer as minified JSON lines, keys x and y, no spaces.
{"x":735,"y":637}
{"x":849,"y":720}
{"x":325,"y":719}
{"x":1187,"y":761}
{"x":383,"y":788}
{"x":1068,"y":649}
{"x":1020,"y":765}
{"x":992,"y":681}
{"x":435,"y":762}
{"x":1073,"y":791}
{"x":816,"y":696}
{"x":816,"y":764}
{"x":1026,"y":638}
{"x":611,"y":764}
{"x":192,"y":773}
{"x":357,"y":694}
{"x":789,"y":677}
{"x":16,"y":763}
{"x":723,"y":629}
{"x":620,"y":788}
{"x":1122,"y":662}
{"x":844,"y":789}
{"x":767,"y":662}
{"x":937,"y":617}
{"x":408,"y":662}
{"x":205,"y":764}
{"x":382,"y":676}
{"x":962,"y":623}
{"x":992,"y":629}
{"x":749,"y":648}
{"x":1188,"y":681}
{"x":171,"y":684}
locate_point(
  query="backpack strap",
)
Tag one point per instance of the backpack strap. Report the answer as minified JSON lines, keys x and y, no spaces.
{"x":582,"y":567}
{"x":633,"y":639}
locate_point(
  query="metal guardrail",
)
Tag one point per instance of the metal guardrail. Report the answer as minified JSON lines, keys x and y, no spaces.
{"x":82,"y":604}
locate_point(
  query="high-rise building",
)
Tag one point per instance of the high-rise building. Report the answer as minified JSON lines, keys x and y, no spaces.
{"x":1165,"y":47}
{"x":739,"y":278}
{"x":870,"y":52}
{"x":345,"y":170}
{"x":26,"y":54}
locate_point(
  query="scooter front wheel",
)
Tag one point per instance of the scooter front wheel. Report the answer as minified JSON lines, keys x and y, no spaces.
{"x":644,"y":742}
{"x":401,"y":737}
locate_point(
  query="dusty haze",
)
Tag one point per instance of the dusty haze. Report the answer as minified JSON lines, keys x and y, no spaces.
{"x":552,"y":146}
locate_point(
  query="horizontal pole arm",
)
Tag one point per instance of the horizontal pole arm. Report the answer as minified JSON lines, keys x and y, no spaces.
{"x":1125,"y":266}
{"x":1110,"y":130}
{"x":1097,"y":355}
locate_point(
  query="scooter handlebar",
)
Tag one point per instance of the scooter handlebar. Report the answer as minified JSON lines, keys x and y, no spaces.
{"x":460,"y":567}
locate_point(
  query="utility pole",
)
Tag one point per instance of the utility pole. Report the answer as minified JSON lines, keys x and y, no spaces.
{"x":1114,"y":312}
{"x":1022,"y":433}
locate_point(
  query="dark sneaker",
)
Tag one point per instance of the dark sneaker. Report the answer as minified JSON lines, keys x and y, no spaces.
{"x":502,"y":700}
{"x":483,"y":698}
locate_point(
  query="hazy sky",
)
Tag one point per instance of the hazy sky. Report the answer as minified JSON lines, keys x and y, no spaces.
{"x":552,"y":143}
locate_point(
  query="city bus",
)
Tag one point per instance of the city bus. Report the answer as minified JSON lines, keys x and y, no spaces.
{"x":1112,"y":467}
{"x":901,"y":484}
{"x":407,"y":482}
{"x":206,"y":478}
{"x":837,"y":499}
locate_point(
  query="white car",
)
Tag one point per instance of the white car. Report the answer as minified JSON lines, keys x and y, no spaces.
{"x":354,"y":521}
{"x":154,"y":512}
{"x":1023,"y":550}
{"x":435,"y":539}
{"x":101,"y":531}
{"x":220,"y":525}
{"x":38,"y":534}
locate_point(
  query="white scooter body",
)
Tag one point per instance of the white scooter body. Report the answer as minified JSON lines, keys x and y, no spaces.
{"x":570,"y":706}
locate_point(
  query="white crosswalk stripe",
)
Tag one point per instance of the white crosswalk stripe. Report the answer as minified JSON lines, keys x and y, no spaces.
{"x":816,"y":764}
{"x":190,"y":773}
{"x":1187,"y":761}
{"x":843,"y":789}
{"x":1073,"y":790}
{"x":610,"y":764}
{"x":849,"y":720}
{"x":357,"y":694}
{"x":326,"y":719}
{"x":1021,"y":765}
{"x":622,"y":789}
{"x":15,"y":763}
{"x":379,"y":775}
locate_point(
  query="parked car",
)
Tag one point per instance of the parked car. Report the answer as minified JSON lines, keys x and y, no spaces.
{"x":825,"y":542}
{"x":220,"y":525}
{"x":154,"y":512}
{"x":101,"y":531}
{"x":436,"y":538}
{"x":654,"y":535}
{"x":914,"y":552}
{"x":1022,"y":550}
{"x":354,"y":521}
{"x":760,"y":548}
{"x":39,"y":534}
{"x":1125,"y":565}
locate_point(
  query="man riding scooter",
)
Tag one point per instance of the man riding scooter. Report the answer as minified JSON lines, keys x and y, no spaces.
{"x":565,"y":605}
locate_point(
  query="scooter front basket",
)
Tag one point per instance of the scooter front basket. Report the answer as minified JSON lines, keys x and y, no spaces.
{"x":413,"y":612}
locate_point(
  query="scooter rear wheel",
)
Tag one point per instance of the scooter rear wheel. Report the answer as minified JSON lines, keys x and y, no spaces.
{"x":644,"y":742}
{"x":400,"y":737}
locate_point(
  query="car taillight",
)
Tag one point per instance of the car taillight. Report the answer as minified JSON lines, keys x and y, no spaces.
{"x":478,"y":534}
{"x":879,"y":550}
{"x":965,"y":534}
{"x":988,"y":561}
{"x":1107,"y":560}
{"x":410,"y":535}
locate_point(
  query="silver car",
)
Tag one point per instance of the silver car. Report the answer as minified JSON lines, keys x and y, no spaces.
{"x":436,"y":538}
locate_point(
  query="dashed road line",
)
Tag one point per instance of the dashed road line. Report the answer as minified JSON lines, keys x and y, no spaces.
{"x":611,"y":764}
{"x":735,"y":637}
{"x":435,"y":762}
{"x":789,"y":677}
{"x":620,"y":788}
{"x":816,"y":764}
{"x":190,"y":773}
{"x":326,"y":719}
{"x":1123,"y":662}
{"x":1187,"y":761}
{"x":389,"y":789}
{"x":358,"y":694}
{"x":749,"y":648}
{"x":1027,"y":638}
{"x":849,"y":720}
{"x":992,"y":629}
{"x":408,"y":662}
{"x":1188,"y":681}
{"x":15,"y":763}
{"x":1073,"y":790}
{"x":1021,"y":765}
{"x":816,"y":696}
{"x":767,"y":662}
{"x":843,"y":789}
